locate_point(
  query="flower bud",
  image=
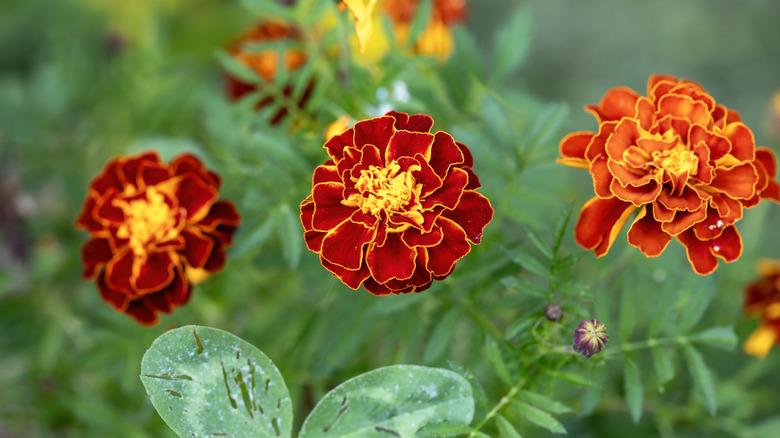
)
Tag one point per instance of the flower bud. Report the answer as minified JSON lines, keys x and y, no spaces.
{"x":590,"y":337}
{"x":553,"y":312}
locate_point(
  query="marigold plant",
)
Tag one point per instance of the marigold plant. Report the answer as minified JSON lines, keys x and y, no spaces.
{"x":684,"y":165}
{"x":155,"y":229}
{"x":265,"y":64}
{"x":762,"y":300}
{"x":396,"y":206}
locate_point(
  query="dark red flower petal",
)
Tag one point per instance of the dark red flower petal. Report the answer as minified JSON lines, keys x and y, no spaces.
{"x":450,"y":192}
{"x":197,"y":247}
{"x":408,"y":144}
{"x":352,"y":278}
{"x":187,"y":164}
{"x":108,"y":179}
{"x":335,"y":146}
{"x":453,"y":247}
{"x":328,"y":209}
{"x":344,"y":244}
{"x":444,"y":153}
{"x":472,"y":213}
{"x":95,"y":253}
{"x":415,"y":237}
{"x":86,"y":218}
{"x":119,"y":270}
{"x":141,"y":312}
{"x":393,"y":260}
{"x":156,"y":271}
{"x":195,"y":196}
{"x":377,"y":131}
{"x":220,"y":213}
{"x":414,"y":122}
{"x":702,"y":253}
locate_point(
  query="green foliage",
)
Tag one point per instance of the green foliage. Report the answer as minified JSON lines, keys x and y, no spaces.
{"x":70,"y":100}
{"x":207,"y":382}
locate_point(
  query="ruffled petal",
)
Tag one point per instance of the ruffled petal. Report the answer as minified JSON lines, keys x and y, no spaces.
{"x":352,"y":278}
{"x":600,"y":222}
{"x":640,"y":195}
{"x":617,"y":103}
{"x":86,"y":218}
{"x":196,"y":197}
{"x":344,"y":244}
{"x":328,"y":209}
{"x":197,"y":247}
{"x":647,"y":234}
{"x":702,"y":254}
{"x":377,"y":131}
{"x":414,"y":122}
{"x":684,"y":220}
{"x":156,"y":272}
{"x":453,"y":247}
{"x":444,"y":153}
{"x":393,"y":260}
{"x":737,"y":182}
{"x":472,"y":213}
{"x":574,"y":145}
{"x":414,"y":237}
{"x":450,"y":192}
{"x":221,"y":213}
{"x":743,"y":143}
{"x":325,"y":173}
{"x":95,"y":253}
{"x":119,"y":270}
{"x":409,"y":144}
{"x":336,"y":145}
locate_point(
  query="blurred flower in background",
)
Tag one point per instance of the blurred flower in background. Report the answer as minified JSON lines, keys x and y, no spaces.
{"x":433,"y":39}
{"x":762,"y":300}
{"x":686,"y":165}
{"x":154,"y":230}
{"x":260,"y":50}
{"x":590,"y":337}
{"x":395,"y":207}
{"x":774,"y":115}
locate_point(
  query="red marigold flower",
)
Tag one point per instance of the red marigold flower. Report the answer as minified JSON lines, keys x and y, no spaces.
{"x":265,"y":63}
{"x":155,"y":229}
{"x":762,"y":300}
{"x":686,"y":166}
{"x":395,"y":207}
{"x":436,"y":39}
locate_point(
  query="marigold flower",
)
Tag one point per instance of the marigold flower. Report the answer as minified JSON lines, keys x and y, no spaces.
{"x":435,"y":40}
{"x":395,"y":207}
{"x":762,"y":300}
{"x":590,"y":337}
{"x":686,"y":166}
{"x":774,"y":115}
{"x":155,"y":229}
{"x":265,"y":63}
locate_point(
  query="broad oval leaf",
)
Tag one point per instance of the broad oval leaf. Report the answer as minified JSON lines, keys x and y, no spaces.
{"x":206,"y":382}
{"x":392,"y":401}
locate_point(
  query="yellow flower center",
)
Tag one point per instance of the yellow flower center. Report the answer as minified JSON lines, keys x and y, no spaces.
{"x":388,"y":189}
{"x":677,"y":161}
{"x":147,"y":220}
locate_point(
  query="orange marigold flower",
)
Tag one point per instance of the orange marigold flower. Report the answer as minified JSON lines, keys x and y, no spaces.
{"x":265,"y":63}
{"x":395,"y":207}
{"x":155,"y":229}
{"x":762,"y":300}
{"x":686,"y":166}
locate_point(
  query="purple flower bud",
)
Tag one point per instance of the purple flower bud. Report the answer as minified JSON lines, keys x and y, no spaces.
{"x":590,"y":337}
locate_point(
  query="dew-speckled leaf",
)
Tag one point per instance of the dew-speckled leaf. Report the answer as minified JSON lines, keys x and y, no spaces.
{"x":206,"y":382}
{"x":394,"y":401}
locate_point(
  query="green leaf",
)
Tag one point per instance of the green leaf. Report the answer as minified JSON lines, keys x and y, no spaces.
{"x":545,"y":127}
{"x":443,"y":429}
{"x":208,"y":382}
{"x":539,"y":417}
{"x":723,"y":338}
{"x":441,"y":336}
{"x":497,"y":360}
{"x":544,"y":402}
{"x":572,"y":378}
{"x":392,"y":401}
{"x":634,"y":389}
{"x":505,"y":428}
{"x":290,"y":236}
{"x":532,"y":265}
{"x":664,"y":368}
{"x":538,"y":242}
{"x":512,"y":43}
{"x":421,"y":19}
{"x":702,"y":377}
{"x":256,"y":238}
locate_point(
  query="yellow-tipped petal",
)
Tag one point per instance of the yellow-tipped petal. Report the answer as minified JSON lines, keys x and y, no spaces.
{"x":760,"y":342}
{"x":197,"y":275}
{"x":362,"y":12}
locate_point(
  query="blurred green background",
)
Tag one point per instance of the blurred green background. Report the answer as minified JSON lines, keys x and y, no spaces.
{"x":84,"y":80}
